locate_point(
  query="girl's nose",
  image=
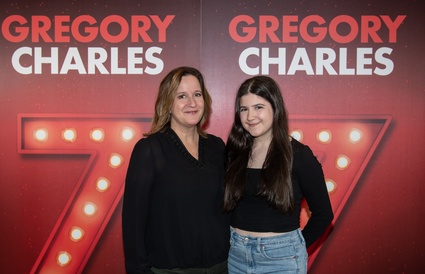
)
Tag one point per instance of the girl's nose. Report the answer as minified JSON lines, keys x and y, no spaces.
{"x":250,"y":115}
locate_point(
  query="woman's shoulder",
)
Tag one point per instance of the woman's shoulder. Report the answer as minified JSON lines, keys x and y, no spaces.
{"x":214,"y":137}
{"x":215,"y":140}
{"x":150,"y":139}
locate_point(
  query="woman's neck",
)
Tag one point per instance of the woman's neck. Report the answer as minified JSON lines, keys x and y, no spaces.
{"x":190,"y":139}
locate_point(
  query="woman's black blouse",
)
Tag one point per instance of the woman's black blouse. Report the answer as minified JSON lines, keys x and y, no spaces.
{"x":172,"y":214}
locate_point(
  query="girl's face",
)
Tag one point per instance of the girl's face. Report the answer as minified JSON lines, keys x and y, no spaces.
{"x":188,"y":105}
{"x":256,"y":115}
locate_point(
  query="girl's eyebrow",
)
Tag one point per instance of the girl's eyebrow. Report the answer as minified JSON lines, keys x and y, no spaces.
{"x":259,"y":104}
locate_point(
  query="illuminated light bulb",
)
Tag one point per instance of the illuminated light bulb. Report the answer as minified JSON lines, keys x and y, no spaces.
{"x":41,"y":134}
{"x":63,"y":258}
{"x":342,"y":162}
{"x":355,"y":136}
{"x":97,"y":135}
{"x":89,"y":209}
{"x":324,"y":136}
{"x":69,"y":135}
{"x":102,"y":184}
{"x":76,"y":234}
{"x":330,"y":185}
{"x":297,"y":135}
{"x":127,"y":134}
{"x":115,"y":160}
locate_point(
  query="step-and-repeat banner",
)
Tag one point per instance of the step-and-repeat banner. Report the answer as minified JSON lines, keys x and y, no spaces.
{"x":78,"y":82}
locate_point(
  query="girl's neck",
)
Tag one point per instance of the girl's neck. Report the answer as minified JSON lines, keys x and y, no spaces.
{"x":261,"y":143}
{"x":258,"y":153}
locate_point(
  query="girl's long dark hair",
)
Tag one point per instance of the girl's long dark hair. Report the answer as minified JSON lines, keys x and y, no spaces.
{"x":276,"y":183}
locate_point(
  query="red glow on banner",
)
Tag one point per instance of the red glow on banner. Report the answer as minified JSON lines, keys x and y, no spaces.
{"x":108,"y":140}
{"x":343,"y":144}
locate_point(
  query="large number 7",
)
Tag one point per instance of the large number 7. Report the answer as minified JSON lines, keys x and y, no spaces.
{"x":344,"y":146}
{"x":108,"y":140}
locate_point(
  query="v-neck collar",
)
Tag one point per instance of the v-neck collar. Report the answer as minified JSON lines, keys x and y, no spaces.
{"x":201,"y":161}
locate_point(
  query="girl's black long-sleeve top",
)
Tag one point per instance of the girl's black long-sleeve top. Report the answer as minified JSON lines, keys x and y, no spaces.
{"x":254,"y":213}
{"x":172,"y":214}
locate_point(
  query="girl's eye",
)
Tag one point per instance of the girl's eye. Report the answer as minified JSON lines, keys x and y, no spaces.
{"x":242,"y":109}
{"x":181,"y":96}
{"x":258,"y":107}
{"x":198,"y":94}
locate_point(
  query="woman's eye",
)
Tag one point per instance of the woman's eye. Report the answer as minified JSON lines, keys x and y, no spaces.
{"x":181,"y":96}
{"x":242,"y":109}
{"x":198,"y":94}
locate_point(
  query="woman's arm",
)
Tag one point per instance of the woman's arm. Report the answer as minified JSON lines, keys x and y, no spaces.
{"x":135,"y":208}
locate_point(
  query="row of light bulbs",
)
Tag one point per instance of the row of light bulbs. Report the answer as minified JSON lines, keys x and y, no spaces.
{"x":324,"y":136}
{"x":89,"y":209}
{"x":127,"y":134}
{"x":70,"y":134}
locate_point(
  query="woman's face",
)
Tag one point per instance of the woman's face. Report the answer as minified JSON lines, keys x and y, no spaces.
{"x":256,"y":115}
{"x":188,"y":106}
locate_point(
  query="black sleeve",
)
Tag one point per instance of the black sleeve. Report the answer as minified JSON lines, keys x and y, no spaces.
{"x":138,"y":183}
{"x":313,"y":187}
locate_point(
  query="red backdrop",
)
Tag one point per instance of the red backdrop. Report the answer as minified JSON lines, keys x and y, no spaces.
{"x":364,"y":73}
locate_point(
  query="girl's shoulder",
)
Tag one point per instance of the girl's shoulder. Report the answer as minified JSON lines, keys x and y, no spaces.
{"x":302,"y":154}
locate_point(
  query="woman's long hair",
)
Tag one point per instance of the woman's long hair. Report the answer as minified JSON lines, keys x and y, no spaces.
{"x":276,"y":183}
{"x":165,"y":99}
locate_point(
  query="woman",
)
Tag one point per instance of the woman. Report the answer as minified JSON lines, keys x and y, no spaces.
{"x":172,"y":219}
{"x":268,"y":175}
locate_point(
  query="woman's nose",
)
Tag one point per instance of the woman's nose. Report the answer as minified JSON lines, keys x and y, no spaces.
{"x":192,"y":101}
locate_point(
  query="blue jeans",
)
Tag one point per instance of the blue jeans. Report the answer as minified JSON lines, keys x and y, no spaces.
{"x":284,"y":253}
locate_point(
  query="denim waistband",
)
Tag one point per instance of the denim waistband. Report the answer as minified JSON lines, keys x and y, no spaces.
{"x":294,"y":236}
